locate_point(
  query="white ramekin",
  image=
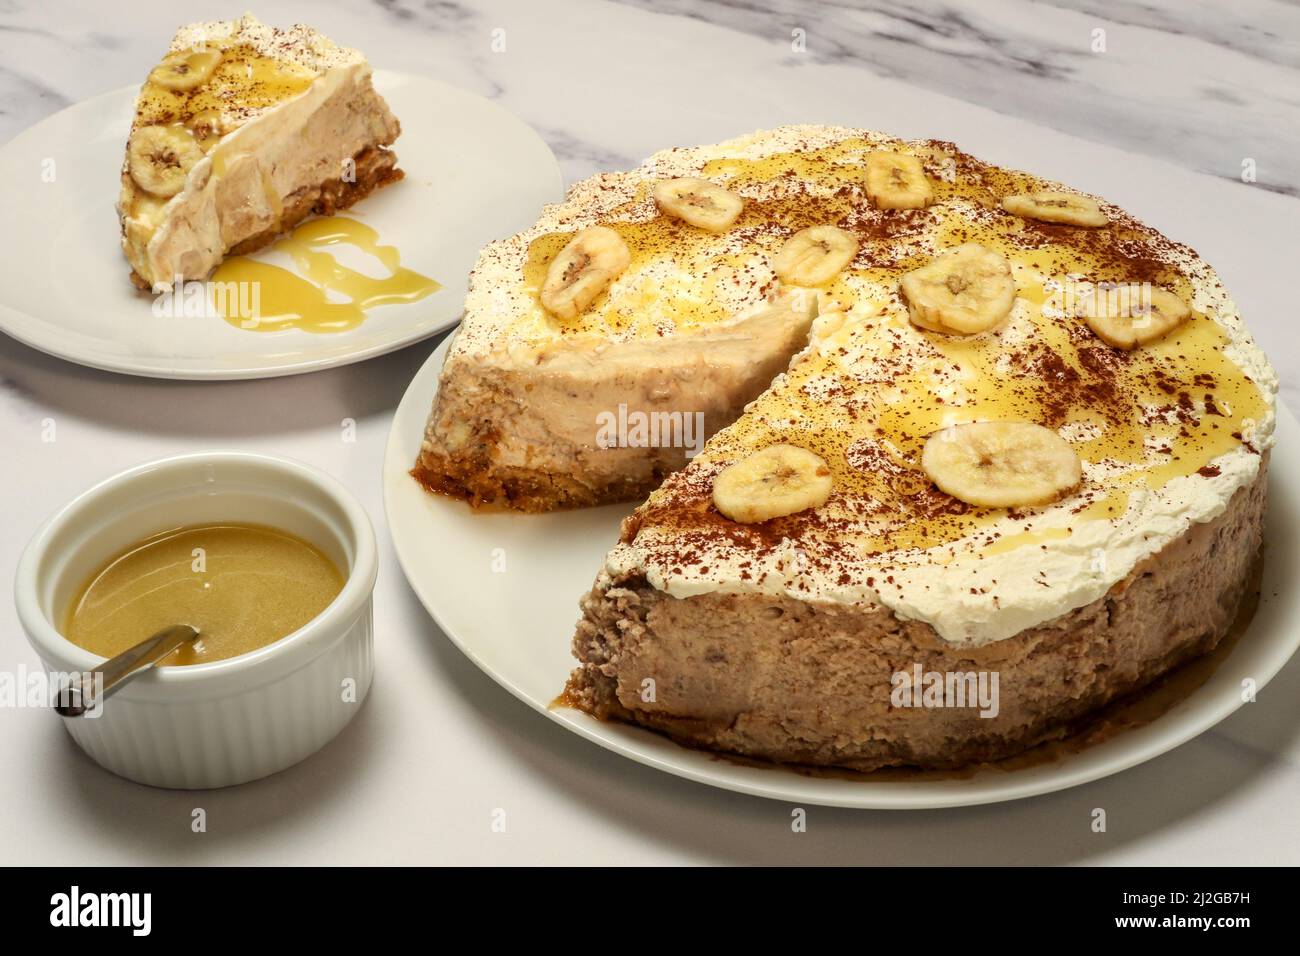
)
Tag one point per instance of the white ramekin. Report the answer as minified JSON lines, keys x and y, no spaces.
{"x":211,"y":725}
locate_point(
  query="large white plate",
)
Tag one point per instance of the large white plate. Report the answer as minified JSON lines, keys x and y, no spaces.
{"x":516,"y":625}
{"x":474,"y":172}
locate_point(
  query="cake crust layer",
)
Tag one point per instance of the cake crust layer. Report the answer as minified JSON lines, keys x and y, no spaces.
{"x":525,"y":489}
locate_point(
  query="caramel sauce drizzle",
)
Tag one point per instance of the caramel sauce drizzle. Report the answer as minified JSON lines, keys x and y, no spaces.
{"x":325,"y":295}
{"x":878,"y":386}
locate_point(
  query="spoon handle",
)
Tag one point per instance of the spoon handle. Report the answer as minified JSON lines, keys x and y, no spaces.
{"x":79,"y":695}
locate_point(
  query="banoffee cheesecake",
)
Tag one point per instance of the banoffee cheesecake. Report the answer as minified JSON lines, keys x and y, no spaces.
{"x":242,"y":131}
{"x":1024,"y":446}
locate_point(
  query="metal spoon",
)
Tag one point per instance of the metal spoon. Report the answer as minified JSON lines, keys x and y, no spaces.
{"x":79,"y":695}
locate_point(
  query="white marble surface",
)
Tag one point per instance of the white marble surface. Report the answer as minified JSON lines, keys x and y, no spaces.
{"x":1182,"y":94}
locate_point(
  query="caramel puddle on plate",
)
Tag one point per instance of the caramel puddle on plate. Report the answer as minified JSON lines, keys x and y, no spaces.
{"x":285,"y":300}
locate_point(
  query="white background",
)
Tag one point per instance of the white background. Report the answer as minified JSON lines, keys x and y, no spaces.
{"x":1160,"y":123}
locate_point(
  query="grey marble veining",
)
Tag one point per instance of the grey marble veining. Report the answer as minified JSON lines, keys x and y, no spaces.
{"x":1204,"y":84}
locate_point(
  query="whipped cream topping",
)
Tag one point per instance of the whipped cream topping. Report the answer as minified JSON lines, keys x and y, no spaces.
{"x":1167,"y":433}
{"x":299,"y":44}
{"x":682,"y":281}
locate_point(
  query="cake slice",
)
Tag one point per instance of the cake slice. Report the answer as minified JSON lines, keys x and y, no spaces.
{"x":602,"y":346}
{"x":242,"y":131}
{"x":1018,"y":471}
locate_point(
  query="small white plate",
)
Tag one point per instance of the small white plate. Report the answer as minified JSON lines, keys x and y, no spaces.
{"x":474,"y":172}
{"x":505,"y":587}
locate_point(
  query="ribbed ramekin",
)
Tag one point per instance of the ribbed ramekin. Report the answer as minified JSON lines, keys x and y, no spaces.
{"x":218,"y":724}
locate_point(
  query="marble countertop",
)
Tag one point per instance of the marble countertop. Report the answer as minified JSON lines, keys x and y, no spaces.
{"x":1189,"y":95}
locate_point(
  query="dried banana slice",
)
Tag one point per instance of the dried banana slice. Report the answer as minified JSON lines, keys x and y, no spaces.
{"x":584,"y":268}
{"x":815,"y":255}
{"x":897,"y":181}
{"x":159,"y":158}
{"x":185,"y":70}
{"x":777,"y":481}
{"x":699,"y":202}
{"x":1065,"y":208}
{"x":965,"y":290}
{"x":1002,"y":464}
{"x":1128,"y":315}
